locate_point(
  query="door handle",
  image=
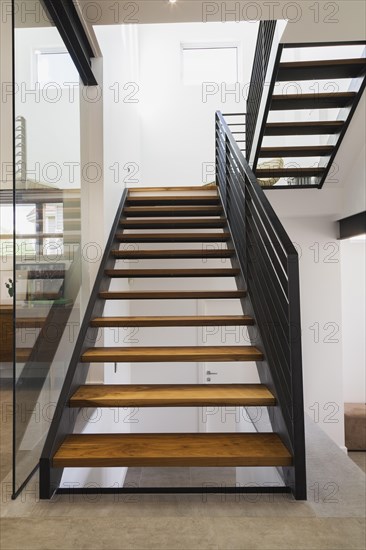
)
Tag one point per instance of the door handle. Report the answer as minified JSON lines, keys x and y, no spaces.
{"x":209,"y":372}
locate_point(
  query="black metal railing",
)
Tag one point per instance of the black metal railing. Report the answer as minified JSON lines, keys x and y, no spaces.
{"x":237,"y":122}
{"x":270,"y":272}
{"x":262,"y":54}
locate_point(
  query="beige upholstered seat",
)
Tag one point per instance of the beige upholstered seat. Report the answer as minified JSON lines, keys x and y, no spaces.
{"x":270,"y":164}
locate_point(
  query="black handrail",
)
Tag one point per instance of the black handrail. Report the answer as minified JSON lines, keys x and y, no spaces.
{"x":270,"y":273}
{"x":262,"y":54}
{"x":65,"y":417}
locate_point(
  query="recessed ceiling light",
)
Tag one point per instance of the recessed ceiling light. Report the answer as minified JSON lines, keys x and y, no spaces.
{"x":172,"y":1}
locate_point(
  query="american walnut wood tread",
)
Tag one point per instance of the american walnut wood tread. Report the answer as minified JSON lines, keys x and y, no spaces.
{"x":155,"y":273}
{"x":174,"y":200}
{"x":171,"y":211}
{"x":172,"y":254}
{"x":208,"y":187}
{"x":288,"y":172}
{"x":173,"y":295}
{"x":312,"y":101}
{"x":178,"y":450}
{"x":301,"y":151}
{"x":318,"y":127}
{"x":172,"y":395}
{"x":322,"y":69}
{"x":194,"y":223}
{"x":171,"y":354}
{"x":178,"y":321}
{"x":212,"y":237}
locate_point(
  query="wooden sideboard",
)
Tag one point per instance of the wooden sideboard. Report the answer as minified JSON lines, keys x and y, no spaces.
{"x":6,"y":333}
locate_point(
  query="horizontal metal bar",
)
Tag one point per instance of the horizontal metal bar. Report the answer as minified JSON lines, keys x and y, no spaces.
{"x":171,"y":490}
{"x":234,"y":114}
{"x":324,"y":44}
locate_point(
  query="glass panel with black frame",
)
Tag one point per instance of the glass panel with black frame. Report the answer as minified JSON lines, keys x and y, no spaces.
{"x":47,"y":209}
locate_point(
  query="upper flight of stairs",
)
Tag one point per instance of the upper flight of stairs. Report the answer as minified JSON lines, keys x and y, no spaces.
{"x":303,"y":91}
{"x":142,"y":215}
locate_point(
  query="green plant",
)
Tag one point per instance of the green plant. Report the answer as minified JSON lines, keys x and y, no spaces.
{"x":10,"y":286}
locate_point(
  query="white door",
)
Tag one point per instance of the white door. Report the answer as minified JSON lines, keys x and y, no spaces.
{"x":228,"y":418}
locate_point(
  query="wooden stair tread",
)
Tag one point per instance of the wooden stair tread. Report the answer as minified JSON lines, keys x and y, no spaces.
{"x":174,"y":224}
{"x":194,"y":188}
{"x":301,"y":151}
{"x":171,"y":354}
{"x":173,"y":295}
{"x":172,"y":211}
{"x":174,"y":321}
{"x":288,"y":172}
{"x":321,"y":69}
{"x":173,"y":237}
{"x":23,"y":354}
{"x":312,"y":101}
{"x":171,"y":254}
{"x":182,"y":449}
{"x":321,"y":127}
{"x":173,"y":200}
{"x":153,"y":273}
{"x":170,"y":395}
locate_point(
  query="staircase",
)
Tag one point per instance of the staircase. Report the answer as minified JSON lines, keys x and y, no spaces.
{"x":313,"y":94}
{"x":155,"y":217}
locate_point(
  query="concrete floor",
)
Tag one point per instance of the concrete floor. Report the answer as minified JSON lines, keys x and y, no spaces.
{"x":332,"y":518}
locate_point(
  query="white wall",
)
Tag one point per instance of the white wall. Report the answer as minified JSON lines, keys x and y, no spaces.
{"x":321,"y":319}
{"x":351,"y":163}
{"x":169,"y":129}
{"x":6,"y":115}
{"x":353,"y":260}
{"x":119,"y":46}
{"x":178,"y":126}
{"x":53,"y":117}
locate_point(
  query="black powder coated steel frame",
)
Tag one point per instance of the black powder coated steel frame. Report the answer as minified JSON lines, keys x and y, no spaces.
{"x":269,"y":267}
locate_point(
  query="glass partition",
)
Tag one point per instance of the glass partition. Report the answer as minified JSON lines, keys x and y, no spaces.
{"x":47,"y":214}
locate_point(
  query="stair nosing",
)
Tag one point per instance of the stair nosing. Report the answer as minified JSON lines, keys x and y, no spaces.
{"x":184,"y":320}
{"x":167,"y":395}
